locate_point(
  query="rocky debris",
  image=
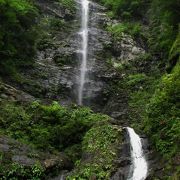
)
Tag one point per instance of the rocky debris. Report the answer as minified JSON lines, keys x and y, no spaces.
{"x":13,"y":151}
{"x":10,"y":93}
{"x":127,"y":49}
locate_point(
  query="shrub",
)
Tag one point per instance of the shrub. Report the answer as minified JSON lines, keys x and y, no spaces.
{"x":48,"y":127}
{"x":99,"y":144}
{"x":136,"y":79}
{"x":133,"y":29}
{"x":16,"y":171}
{"x":163,"y":114}
{"x":17,"y":34}
{"x":132,"y":8}
{"x":69,"y":4}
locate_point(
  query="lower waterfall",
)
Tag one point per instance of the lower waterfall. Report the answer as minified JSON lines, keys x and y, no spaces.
{"x":139,"y":168}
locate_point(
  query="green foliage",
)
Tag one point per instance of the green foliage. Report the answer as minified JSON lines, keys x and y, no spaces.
{"x":99,"y":144}
{"x":163,"y":15}
{"x":16,"y":171}
{"x":69,"y":4}
{"x":174,"y":54}
{"x":175,"y":49}
{"x":57,"y":128}
{"x":17,"y":34}
{"x":163,"y":114}
{"x":136,"y":79}
{"x":48,"y":127}
{"x":37,"y":170}
{"x":126,"y":8}
{"x":134,"y":29}
{"x":140,"y":87}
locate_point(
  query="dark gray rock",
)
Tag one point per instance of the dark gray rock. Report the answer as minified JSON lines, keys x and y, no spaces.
{"x":16,"y":152}
{"x":10,"y":93}
{"x":23,"y":160}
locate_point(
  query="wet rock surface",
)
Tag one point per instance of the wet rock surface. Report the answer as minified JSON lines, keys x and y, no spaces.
{"x":123,"y":162}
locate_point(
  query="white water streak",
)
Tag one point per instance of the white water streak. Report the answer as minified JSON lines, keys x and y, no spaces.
{"x":84,"y":50}
{"x":140,"y":167}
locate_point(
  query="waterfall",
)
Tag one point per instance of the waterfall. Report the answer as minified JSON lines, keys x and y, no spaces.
{"x":139,"y":167}
{"x":84,"y":47}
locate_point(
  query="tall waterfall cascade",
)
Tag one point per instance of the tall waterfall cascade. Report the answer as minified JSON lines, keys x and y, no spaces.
{"x":139,"y":166}
{"x":84,"y":48}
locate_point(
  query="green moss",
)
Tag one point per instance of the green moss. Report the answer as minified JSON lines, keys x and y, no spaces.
{"x":99,"y":145}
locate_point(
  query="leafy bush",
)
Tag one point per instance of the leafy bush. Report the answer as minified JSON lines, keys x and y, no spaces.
{"x":16,"y":171}
{"x":136,"y":79}
{"x":48,"y":127}
{"x":17,"y":34}
{"x":134,"y":29}
{"x":99,"y":145}
{"x":126,"y":8}
{"x":163,"y":26}
{"x":163,"y":114}
{"x":52,"y":128}
{"x":174,"y":53}
{"x":69,"y":4}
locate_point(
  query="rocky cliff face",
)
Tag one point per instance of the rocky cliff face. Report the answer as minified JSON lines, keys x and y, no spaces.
{"x":55,"y":73}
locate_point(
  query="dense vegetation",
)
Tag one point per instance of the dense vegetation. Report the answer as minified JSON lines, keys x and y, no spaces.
{"x":56,"y":128}
{"x":163,"y":114}
{"x":18,"y":34}
{"x":160,"y":16}
{"x":100,"y":145}
{"x":154,"y":95}
{"x":52,"y":127}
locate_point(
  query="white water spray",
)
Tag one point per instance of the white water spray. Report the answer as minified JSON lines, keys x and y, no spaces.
{"x":140,"y":167}
{"x":84,"y":48}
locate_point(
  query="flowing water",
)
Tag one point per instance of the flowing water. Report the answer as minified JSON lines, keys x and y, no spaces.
{"x":84,"y":47}
{"x":140,"y":166}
